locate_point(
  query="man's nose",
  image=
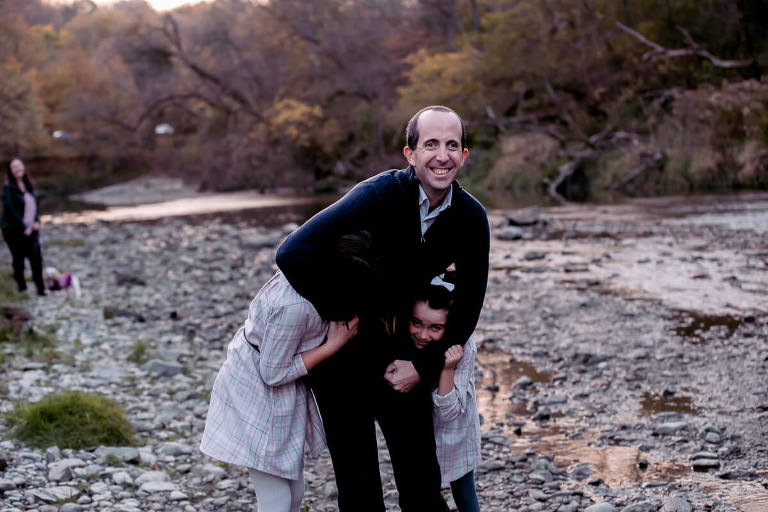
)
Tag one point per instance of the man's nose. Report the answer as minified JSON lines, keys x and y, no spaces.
{"x":442,"y":153}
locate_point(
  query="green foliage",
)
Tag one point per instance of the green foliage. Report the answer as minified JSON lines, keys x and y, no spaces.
{"x":715,"y":137}
{"x":8,"y":292}
{"x":75,"y":242}
{"x":33,"y":343}
{"x":113,"y":460}
{"x":271,"y":94}
{"x":71,"y":420}
{"x":138,"y":353}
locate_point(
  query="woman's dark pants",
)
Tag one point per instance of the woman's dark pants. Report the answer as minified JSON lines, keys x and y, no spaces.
{"x":25,"y":247}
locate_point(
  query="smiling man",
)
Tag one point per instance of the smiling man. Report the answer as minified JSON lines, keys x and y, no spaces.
{"x":421,"y":223}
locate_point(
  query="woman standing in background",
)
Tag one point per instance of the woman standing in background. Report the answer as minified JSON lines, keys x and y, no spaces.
{"x":21,"y":225}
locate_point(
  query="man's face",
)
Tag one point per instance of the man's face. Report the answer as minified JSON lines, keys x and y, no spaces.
{"x":427,"y":325}
{"x":438,"y":155}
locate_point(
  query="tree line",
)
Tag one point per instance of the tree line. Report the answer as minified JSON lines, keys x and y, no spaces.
{"x":561,"y":96}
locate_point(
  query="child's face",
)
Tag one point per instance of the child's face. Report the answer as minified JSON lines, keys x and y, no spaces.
{"x":427,"y":325}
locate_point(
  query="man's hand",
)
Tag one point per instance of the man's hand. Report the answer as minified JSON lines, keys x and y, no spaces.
{"x":401,"y":375}
{"x":453,"y":356}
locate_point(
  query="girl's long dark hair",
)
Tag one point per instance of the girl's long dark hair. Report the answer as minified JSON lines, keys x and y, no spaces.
{"x":11,"y":179}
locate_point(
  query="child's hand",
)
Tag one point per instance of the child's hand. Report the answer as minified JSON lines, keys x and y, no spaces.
{"x":339,"y":333}
{"x":453,"y":356}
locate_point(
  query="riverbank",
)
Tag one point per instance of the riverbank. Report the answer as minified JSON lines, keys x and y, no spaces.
{"x":622,"y":351}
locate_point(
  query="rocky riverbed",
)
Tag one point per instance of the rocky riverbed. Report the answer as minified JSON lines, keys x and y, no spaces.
{"x":622,"y":361}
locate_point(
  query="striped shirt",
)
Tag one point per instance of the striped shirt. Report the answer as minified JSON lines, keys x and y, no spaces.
{"x":261,"y":412}
{"x":456,"y":420}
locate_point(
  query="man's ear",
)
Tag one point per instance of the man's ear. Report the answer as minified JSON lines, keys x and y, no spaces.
{"x":408,"y":152}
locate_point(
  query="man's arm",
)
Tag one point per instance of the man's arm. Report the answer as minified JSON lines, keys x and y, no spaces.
{"x":471,"y":281}
{"x":304,"y":254}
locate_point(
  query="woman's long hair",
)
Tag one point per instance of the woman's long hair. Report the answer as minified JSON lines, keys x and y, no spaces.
{"x":11,"y":179}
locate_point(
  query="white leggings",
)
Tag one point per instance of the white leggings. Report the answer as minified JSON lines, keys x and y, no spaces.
{"x":275,"y":494}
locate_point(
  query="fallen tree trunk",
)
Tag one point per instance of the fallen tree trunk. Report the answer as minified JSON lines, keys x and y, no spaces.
{"x":566,"y":170}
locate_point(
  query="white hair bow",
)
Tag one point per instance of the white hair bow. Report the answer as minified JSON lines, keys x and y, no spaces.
{"x":437,"y":281}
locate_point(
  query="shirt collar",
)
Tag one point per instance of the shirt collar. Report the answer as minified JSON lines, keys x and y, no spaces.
{"x":445,"y":203}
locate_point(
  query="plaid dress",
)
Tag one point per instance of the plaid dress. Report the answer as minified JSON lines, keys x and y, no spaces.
{"x":261,"y":412}
{"x":456,"y":421}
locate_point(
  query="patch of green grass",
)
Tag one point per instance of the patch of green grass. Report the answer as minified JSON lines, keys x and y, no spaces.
{"x":75,"y":242}
{"x":31,"y":341}
{"x":113,"y":460}
{"x":138,"y":354}
{"x":8,"y":291}
{"x":71,"y":419}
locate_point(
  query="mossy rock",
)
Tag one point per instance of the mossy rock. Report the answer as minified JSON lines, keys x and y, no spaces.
{"x":71,"y":419}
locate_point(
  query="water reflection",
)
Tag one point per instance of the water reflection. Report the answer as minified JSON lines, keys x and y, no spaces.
{"x":699,"y":327}
{"x":652,"y":404}
{"x":500,"y":371}
{"x":249,"y":208}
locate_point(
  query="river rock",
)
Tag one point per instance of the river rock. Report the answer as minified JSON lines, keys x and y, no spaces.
{"x":152,"y":476}
{"x":670,"y":428}
{"x":643,"y":506}
{"x":523,"y":382}
{"x":62,"y":470}
{"x":124,"y":453}
{"x":174,"y":449}
{"x":158,"y":486}
{"x":163,"y":368}
{"x":600,"y":507}
{"x":676,"y":504}
{"x":509,"y":233}
{"x":712,"y":437}
{"x":122,"y":478}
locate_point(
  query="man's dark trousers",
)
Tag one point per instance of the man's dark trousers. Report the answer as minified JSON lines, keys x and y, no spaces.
{"x":351,"y":392}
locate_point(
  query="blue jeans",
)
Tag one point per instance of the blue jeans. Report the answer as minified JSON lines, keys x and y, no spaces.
{"x":464,"y":494}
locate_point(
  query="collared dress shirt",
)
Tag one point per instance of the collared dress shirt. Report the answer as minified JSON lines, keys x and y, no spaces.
{"x":456,"y":420}
{"x":261,"y":412}
{"x":428,"y":217}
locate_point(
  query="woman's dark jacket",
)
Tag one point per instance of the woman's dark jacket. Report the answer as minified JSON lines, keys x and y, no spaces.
{"x":13,"y":209}
{"x":386,"y":205}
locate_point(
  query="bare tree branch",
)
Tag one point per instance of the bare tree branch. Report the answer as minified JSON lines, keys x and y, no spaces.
{"x":566,"y":170}
{"x":237,"y":96}
{"x":659,"y":52}
{"x":651,"y":159}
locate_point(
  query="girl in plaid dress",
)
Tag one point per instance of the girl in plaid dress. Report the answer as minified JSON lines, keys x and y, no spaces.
{"x":261,"y":413}
{"x":455,"y":416}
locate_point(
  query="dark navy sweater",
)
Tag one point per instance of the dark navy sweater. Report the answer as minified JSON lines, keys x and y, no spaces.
{"x":386,"y":205}
{"x":13,"y":209}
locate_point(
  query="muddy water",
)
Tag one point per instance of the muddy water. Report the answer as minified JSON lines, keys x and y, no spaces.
{"x":653,"y":403}
{"x":697,"y":327}
{"x":572,"y":445}
{"x":500,"y":372}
